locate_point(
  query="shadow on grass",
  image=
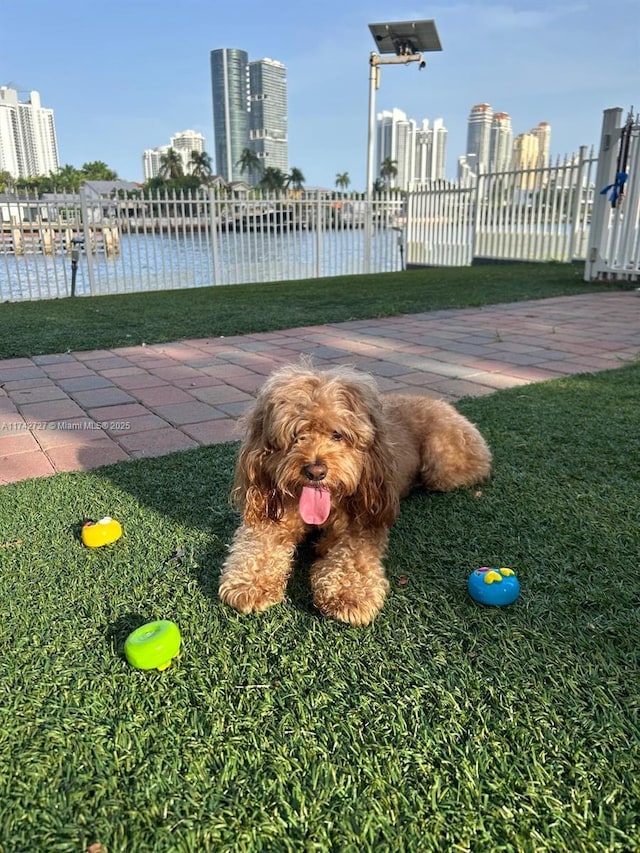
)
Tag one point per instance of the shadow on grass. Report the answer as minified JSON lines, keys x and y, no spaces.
{"x":190,"y":490}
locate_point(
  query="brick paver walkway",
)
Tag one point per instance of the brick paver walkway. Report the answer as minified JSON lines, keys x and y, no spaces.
{"x":80,"y":410}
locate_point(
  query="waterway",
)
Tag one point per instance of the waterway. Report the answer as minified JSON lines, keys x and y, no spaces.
{"x":169,"y":261}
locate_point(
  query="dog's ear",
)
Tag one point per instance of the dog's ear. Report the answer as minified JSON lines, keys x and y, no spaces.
{"x":253,"y":492}
{"x":376,"y":502}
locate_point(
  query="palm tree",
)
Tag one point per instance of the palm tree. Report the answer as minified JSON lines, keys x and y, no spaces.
{"x":97,"y":170}
{"x":343,"y":180}
{"x":170,"y":165}
{"x":68,"y":178}
{"x":295,"y":179}
{"x":200,"y":166}
{"x":249,"y":162}
{"x":388,"y":170}
{"x":272,"y":180}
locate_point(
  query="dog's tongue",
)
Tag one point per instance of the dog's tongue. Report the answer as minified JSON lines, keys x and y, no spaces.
{"x":315,"y":504}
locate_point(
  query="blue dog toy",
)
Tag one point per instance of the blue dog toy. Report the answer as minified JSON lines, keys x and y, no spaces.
{"x":494,"y":586}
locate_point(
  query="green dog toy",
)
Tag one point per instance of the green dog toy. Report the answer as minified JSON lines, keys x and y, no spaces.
{"x":154,"y":645}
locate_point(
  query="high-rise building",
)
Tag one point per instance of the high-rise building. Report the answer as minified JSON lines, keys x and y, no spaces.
{"x":249,"y":111}
{"x":479,"y":137}
{"x":230,"y":90}
{"x":392,"y":143}
{"x":542,"y":132}
{"x":501,"y":143}
{"x":28,"y":145}
{"x":526,"y":157}
{"x":419,"y":152}
{"x":185,"y":143}
{"x":268,"y":113}
{"x":152,"y":161}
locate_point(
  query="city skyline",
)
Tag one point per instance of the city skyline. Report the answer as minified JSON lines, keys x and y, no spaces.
{"x":132,"y":81}
{"x":28,"y":138}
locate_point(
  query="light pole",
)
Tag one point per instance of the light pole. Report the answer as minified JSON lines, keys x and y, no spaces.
{"x":407,"y":40}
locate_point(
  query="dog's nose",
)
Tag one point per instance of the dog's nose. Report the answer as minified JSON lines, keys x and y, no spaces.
{"x":315,"y":471}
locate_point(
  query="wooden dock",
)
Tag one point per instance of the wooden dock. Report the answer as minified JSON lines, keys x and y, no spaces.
{"x":55,"y":238}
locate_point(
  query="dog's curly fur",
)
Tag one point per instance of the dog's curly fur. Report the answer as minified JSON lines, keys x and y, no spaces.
{"x":331,"y":429}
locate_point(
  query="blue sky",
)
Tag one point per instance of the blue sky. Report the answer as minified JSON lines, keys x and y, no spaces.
{"x":126,"y":75}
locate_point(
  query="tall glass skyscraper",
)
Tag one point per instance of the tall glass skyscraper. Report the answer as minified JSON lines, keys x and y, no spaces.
{"x":268,"y":117}
{"x":230,"y":89}
{"x":249,"y":111}
{"x":479,"y":137}
{"x":501,"y":147}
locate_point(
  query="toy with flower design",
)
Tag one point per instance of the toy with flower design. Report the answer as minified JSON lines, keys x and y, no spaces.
{"x":494,"y":586}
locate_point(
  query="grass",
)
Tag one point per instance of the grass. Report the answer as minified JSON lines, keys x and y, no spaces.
{"x":58,"y":325}
{"x":445,"y":726}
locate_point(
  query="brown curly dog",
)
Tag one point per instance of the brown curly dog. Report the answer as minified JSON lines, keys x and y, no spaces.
{"x":324,"y":451}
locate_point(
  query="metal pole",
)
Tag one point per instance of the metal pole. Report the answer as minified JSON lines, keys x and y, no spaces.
{"x":86,"y":227}
{"x":75,"y":253}
{"x":374,"y":73}
{"x":374,"y":79}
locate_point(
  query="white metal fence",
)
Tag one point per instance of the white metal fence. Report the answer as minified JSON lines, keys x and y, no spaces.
{"x":614,"y":242}
{"x":74,"y":244}
{"x":527,"y":215}
{"x":173,"y":241}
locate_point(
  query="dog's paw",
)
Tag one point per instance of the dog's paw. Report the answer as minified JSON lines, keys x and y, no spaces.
{"x":246,"y":597}
{"x":348,"y":607}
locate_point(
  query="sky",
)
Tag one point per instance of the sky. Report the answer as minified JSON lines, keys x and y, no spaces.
{"x":126,"y":75}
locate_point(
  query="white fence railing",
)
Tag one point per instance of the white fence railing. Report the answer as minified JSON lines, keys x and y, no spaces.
{"x":178,"y":241}
{"x":526,"y":215}
{"x":614,"y":242}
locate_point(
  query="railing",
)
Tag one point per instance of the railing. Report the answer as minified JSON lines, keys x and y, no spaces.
{"x":528,"y":215}
{"x":614,"y":241}
{"x":173,"y":241}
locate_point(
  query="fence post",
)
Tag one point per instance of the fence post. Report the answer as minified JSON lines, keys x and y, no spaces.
{"x":368,"y":232}
{"x":319,"y":235}
{"x":213,"y":235}
{"x":477,"y":214}
{"x":605,"y":174}
{"x":86,"y":230}
{"x":580,"y":200}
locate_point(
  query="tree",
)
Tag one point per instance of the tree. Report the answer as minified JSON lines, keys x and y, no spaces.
{"x":98,"y":171}
{"x":200,"y":166}
{"x":7,"y":182}
{"x":343,"y":180}
{"x":388,"y":170}
{"x":272,"y":180}
{"x":249,"y":162}
{"x":67,"y":178}
{"x":170,"y":165}
{"x":295,"y":179}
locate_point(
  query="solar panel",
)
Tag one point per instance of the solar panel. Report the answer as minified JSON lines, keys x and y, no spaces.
{"x":405,"y":38}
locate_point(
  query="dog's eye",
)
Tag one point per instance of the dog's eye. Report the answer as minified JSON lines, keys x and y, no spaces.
{"x":336,"y":436}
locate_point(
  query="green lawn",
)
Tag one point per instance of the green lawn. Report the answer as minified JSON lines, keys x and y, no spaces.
{"x":57,"y":325}
{"x":446,"y":726}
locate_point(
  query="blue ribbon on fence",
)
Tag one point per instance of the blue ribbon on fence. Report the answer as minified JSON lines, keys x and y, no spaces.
{"x":616,"y":188}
